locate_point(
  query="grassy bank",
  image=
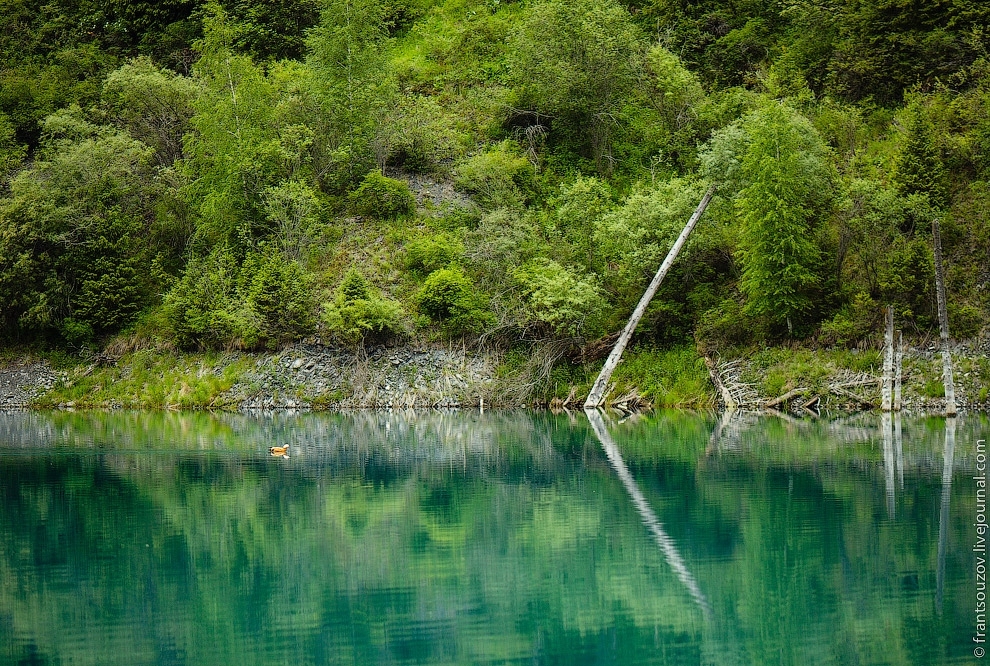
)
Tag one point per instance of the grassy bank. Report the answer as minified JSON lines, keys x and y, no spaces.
{"x":148,"y":380}
{"x":676,"y":377}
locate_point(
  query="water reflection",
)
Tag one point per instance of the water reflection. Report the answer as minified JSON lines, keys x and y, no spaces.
{"x":943,"y":517}
{"x":495,"y":538}
{"x":667,"y":546}
{"x":889,"y":464}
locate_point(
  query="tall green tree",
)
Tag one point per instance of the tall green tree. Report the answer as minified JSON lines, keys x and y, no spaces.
{"x":919,"y":168}
{"x":351,"y":80}
{"x":578,"y":62}
{"x":248,"y":135}
{"x":74,"y":256}
{"x":784,"y":182}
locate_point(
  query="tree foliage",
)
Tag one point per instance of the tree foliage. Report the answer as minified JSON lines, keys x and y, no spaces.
{"x":785,"y":185}
{"x":213,"y":167}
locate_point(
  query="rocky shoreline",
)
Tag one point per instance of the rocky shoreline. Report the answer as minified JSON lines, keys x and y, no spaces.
{"x":311,"y":376}
{"x":24,"y":380}
{"x":303,"y":376}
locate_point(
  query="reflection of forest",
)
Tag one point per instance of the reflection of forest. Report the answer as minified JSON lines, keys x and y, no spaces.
{"x":463,"y":538}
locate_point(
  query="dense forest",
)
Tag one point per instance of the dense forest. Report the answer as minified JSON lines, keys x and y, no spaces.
{"x":241,"y":174}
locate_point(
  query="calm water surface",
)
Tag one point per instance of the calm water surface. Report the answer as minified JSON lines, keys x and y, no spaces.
{"x":486,"y":539}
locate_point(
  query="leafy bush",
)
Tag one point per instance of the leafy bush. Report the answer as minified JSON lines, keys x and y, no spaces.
{"x":417,"y":136}
{"x":579,"y":206}
{"x":432,"y":253}
{"x":853,"y":322}
{"x":965,"y":320}
{"x":727,"y":324}
{"x":202,"y":308}
{"x":381,"y":197}
{"x":447,"y":297}
{"x":502,"y":241}
{"x":358,"y":313}
{"x":499,"y":177}
{"x":558,"y":298}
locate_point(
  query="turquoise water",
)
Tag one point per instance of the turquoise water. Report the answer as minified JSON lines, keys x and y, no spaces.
{"x":485,"y":539}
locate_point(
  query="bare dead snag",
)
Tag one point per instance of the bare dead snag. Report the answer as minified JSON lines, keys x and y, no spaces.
{"x":943,"y":323}
{"x":597,"y":395}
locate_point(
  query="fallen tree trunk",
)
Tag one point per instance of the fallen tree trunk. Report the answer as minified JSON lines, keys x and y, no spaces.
{"x":727,"y":399}
{"x":598,"y":390}
{"x":793,"y":393}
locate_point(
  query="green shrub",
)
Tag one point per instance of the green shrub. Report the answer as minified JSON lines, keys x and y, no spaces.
{"x":277,"y":292}
{"x":853,"y":322}
{"x":558,"y":298}
{"x":432,"y":253}
{"x":200,"y":308}
{"x":728,"y":324}
{"x":965,"y":321}
{"x":383,"y":198}
{"x":359,"y":314}
{"x":75,"y":332}
{"x":499,"y":178}
{"x":447,"y":297}
{"x":354,"y":286}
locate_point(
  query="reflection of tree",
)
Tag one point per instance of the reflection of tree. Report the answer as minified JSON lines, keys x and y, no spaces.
{"x":943,"y":517}
{"x":889,"y":464}
{"x":460,"y":538}
{"x":667,"y":545}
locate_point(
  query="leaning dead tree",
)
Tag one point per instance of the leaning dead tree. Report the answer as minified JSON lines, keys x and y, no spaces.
{"x":943,"y":323}
{"x":597,"y":395}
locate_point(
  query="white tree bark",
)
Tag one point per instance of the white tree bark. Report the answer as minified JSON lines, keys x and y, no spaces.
{"x":898,"y":361}
{"x":598,"y":390}
{"x":888,"y":360}
{"x":943,"y":323}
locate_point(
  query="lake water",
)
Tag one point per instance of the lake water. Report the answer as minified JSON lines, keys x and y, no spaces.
{"x":500,"y":538}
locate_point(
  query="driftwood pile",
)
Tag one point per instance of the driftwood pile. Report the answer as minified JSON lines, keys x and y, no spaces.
{"x":734,"y":393}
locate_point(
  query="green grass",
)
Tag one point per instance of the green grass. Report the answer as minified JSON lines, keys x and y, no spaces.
{"x":774,"y":371}
{"x":667,"y":378}
{"x":150,"y":380}
{"x":934,"y":388}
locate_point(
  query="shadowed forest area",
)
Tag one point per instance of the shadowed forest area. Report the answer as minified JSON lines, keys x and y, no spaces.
{"x":239,"y":175}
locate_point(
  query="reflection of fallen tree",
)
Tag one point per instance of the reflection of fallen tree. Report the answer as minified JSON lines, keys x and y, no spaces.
{"x":667,"y":546}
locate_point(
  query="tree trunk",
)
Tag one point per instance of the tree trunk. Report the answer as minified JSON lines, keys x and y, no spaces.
{"x":598,"y":390}
{"x":730,"y":402}
{"x":888,"y":360}
{"x":943,"y":323}
{"x":898,"y":361}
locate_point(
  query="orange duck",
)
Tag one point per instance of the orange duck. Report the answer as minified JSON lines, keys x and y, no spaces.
{"x":279,"y":451}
